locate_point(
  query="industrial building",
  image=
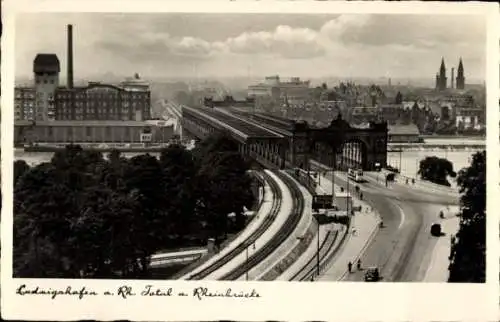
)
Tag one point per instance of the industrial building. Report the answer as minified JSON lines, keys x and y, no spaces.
{"x":48,"y":101}
{"x":95,"y":113}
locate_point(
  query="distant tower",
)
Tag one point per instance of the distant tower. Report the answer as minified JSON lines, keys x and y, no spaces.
{"x":441,"y":79}
{"x":70,"y":57}
{"x":389,"y":82}
{"x":452,"y":77}
{"x":460,"y":75}
{"x":46,"y":68}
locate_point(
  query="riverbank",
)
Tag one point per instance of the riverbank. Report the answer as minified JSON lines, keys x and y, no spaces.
{"x":54,"y":148}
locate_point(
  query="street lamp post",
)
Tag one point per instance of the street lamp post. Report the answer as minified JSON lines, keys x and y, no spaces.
{"x":400,"y":158}
{"x":416,"y":168}
{"x":333,"y":171}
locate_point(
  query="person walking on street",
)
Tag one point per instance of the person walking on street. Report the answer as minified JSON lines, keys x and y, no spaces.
{"x":349,"y":267}
{"x":359,"y":264}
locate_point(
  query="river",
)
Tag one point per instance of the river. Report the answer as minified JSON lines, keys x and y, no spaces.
{"x":409,"y":159}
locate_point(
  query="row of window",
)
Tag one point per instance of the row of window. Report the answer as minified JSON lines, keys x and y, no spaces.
{"x":104,"y":104}
{"x":45,"y":81}
{"x":107,"y":96}
{"x":88,"y":131}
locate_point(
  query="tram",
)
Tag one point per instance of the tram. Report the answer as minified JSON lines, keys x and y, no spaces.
{"x":355,"y":175}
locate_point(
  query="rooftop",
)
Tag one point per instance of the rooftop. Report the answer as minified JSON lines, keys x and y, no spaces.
{"x":44,"y":63}
{"x":399,"y":129}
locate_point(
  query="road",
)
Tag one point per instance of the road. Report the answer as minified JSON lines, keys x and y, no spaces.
{"x":402,"y":249}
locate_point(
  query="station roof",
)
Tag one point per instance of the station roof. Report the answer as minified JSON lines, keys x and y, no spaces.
{"x":238,"y":125}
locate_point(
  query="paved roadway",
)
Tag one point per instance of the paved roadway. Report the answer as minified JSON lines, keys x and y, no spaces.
{"x":403,"y":248}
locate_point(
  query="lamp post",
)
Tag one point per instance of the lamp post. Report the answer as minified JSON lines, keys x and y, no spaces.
{"x":416,"y":168}
{"x":333,"y":170}
{"x":400,"y":158}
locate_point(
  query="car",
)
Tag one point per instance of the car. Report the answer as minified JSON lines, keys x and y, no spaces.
{"x":372,"y":274}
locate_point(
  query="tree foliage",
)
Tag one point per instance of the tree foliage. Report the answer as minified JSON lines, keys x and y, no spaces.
{"x":436,"y":170}
{"x":468,"y":258}
{"x":83,"y":215}
{"x":399,"y":98}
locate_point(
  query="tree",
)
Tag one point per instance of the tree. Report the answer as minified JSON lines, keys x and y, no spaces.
{"x":436,"y":170}
{"x":179,"y":175}
{"x":225,"y":188}
{"x":20,"y":168}
{"x":468,"y":257}
{"x":399,"y":98}
{"x":81,"y":215}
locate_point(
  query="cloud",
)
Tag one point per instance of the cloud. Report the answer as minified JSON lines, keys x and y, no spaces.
{"x":351,"y":44}
{"x":434,"y":30}
{"x":284,"y":41}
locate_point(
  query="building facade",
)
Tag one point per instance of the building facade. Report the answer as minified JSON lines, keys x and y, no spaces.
{"x":363,"y":114}
{"x":469,"y":118}
{"x":390,"y":112}
{"x":46,"y":68}
{"x":103,"y":102}
{"x":24,"y":103}
{"x":48,"y":101}
{"x":295,"y":89}
{"x":32,"y":132}
{"x":95,"y":101}
{"x":403,"y":133}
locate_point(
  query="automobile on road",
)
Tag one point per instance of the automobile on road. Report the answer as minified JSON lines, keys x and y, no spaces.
{"x":372,"y":274}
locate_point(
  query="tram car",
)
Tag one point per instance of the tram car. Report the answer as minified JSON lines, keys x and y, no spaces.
{"x":355,"y":175}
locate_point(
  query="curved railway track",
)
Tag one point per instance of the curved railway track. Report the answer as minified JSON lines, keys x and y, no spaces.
{"x":285,"y":231}
{"x":307,"y":270}
{"x":277,"y":200}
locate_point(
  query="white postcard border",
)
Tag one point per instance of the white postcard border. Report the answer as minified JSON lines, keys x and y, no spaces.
{"x":279,"y":300}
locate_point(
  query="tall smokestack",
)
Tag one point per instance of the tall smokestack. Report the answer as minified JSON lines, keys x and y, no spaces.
{"x":70,"y":57}
{"x":452,"y":77}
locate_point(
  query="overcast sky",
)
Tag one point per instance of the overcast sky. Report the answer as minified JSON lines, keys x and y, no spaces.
{"x":311,"y":45}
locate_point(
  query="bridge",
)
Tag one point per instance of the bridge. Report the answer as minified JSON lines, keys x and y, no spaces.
{"x":278,"y":142}
{"x":399,"y":248}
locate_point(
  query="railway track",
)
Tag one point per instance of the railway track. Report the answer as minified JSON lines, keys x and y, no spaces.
{"x":326,"y":251}
{"x":285,"y":231}
{"x":277,"y":200}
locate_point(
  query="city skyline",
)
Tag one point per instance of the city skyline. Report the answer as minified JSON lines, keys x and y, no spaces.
{"x":306,"y":45}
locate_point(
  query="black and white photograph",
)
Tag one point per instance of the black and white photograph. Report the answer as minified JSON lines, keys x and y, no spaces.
{"x":213,"y":160}
{"x":244,"y":147}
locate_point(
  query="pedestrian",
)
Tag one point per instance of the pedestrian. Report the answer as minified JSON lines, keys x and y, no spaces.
{"x":361,"y":196}
{"x":349,"y":267}
{"x":359,"y":264}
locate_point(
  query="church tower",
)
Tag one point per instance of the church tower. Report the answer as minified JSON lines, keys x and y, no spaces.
{"x":460,"y":75}
{"x":441,"y":79}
